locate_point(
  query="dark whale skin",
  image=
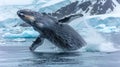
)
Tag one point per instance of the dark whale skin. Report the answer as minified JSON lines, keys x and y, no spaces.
{"x":60,"y":34}
{"x":64,"y":36}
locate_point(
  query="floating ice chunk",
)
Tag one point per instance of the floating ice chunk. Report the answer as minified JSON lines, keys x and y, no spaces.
{"x":101,"y":26}
{"x":109,"y":29}
{"x":2,"y":42}
{"x":25,"y":34}
{"x":19,"y":40}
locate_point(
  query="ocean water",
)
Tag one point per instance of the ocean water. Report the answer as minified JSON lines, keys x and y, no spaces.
{"x":17,"y":54}
{"x":102,"y":49}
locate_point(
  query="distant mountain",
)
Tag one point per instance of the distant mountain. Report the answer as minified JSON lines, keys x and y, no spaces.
{"x":85,"y":7}
{"x":102,"y":7}
{"x":89,"y":7}
{"x":61,"y":8}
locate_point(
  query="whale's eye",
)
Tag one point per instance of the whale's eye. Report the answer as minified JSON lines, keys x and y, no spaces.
{"x":22,"y":14}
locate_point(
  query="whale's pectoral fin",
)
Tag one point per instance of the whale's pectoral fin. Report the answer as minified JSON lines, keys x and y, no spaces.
{"x":67,"y":19}
{"x":39,"y":41}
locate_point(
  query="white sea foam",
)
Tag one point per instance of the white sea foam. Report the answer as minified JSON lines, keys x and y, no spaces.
{"x":95,"y":41}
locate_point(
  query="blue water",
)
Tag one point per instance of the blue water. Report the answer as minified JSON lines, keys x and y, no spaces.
{"x":16,"y":53}
{"x":20,"y":56}
{"x":15,"y":43}
{"x":14,"y":47}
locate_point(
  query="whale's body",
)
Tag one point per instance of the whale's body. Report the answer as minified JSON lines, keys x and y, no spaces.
{"x":64,"y":36}
{"x":60,"y":34}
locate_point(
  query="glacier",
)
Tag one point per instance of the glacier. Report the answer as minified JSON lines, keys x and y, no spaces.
{"x":99,"y":23}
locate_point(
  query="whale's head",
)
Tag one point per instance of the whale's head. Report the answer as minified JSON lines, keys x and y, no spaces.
{"x":33,"y":18}
{"x":27,"y":15}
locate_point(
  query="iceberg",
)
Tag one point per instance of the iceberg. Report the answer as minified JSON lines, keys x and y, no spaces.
{"x":19,"y":40}
{"x":105,"y":23}
{"x":24,"y":34}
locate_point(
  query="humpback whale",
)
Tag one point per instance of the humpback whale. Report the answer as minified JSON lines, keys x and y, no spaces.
{"x":59,"y":33}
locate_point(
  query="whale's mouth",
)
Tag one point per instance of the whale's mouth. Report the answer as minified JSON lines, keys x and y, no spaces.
{"x":26,"y":17}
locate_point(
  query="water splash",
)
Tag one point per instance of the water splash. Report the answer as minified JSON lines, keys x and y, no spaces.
{"x":96,"y":42}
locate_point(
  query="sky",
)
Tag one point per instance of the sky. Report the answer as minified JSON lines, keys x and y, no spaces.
{"x":15,"y":2}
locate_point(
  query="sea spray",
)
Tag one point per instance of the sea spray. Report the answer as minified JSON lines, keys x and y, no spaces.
{"x":95,"y":41}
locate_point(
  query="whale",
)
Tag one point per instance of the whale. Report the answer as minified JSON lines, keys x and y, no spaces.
{"x":57,"y":31}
